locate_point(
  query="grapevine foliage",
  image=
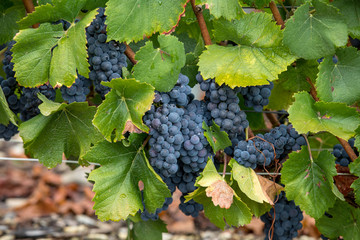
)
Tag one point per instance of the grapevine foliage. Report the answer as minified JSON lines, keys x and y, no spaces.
{"x":131,"y":86}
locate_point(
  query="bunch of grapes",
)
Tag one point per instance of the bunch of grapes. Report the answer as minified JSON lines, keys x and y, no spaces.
{"x":257,"y":96}
{"x":223,"y":104}
{"x":30,"y":101}
{"x":254,"y":152}
{"x":166,"y":137}
{"x":262,"y":149}
{"x":180,"y":95}
{"x":78,"y":91}
{"x":342,"y":157}
{"x":288,"y":218}
{"x":106,"y":59}
{"x":190,"y":208}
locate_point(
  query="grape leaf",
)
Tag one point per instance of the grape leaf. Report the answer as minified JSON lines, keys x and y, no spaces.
{"x":355,"y":169}
{"x":309,"y":182}
{"x":131,"y":20}
{"x":72,"y":125}
{"x":315,"y":35}
{"x":258,"y":57}
{"x":248,"y":182}
{"x":344,"y":221}
{"x":123,"y":104}
{"x":208,"y":176}
{"x":257,"y":3}
{"x":5,"y":113}
{"x":59,"y":9}
{"x":92,"y":4}
{"x":336,"y":118}
{"x":8,"y":24}
{"x":117,"y":194}
{"x":350,"y":11}
{"x":291,"y":81}
{"x":189,"y":25}
{"x":218,"y":139}
{"x":238,"y":213}
{"x":149,"y":230}
{"x":50,"y":54}
{"x":256,"y":208}
{"x":160,"y":67}
{"x":338,"y":82}
{"x":221,"y":194}
{"x":5,"y":4}
{"x":229,"y":9}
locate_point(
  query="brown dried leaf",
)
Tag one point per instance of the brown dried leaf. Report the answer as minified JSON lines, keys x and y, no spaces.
{"x":221,"y":193}
{"x":130,"y":127}
{"x":269,"y":188}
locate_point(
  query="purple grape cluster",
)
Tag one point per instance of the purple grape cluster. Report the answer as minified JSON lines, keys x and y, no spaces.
{"x":288,"y":219}
{"x":78,"y":91}
{"x":106,"y":59}
{"x":341,"y":155}
{"x":257,"y":97}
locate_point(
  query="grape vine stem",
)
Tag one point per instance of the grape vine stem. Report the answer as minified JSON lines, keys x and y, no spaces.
{"x":202,"y":24}
{"x":343,"y":143}
{"x":272,"y":118}
{"x":276,"y":13}
{"x":130,"y":54}
{"x":29,"y":6}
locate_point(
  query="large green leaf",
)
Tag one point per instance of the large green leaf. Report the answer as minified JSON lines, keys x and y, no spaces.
{"x":340,"y":82}
{"x":123,"y":104}
{"x":8,"y":25}
{"x":248,"y":182}
{"x":258,"y":57}
{"x":117,"y":194}
{"x":50,"y":54}
{"x":350,"y":10}
{"x":309,"y":182}
{"x":229,"y":9}
{"x":5,"y":113}
{"x":315,"y":35}
{"x":218,"y":139}
{"x":291,"y":81}
{"x":131,"y":20}
{"x":149,"y":230}
{"x":344,"y":221}
{"x":355,"y":169}
{"x":160,"y":67}
{"x":238,"y":213}
{"x":59,"y":9}
{"x":337,"y":118}
{"x":208,"y":176}
{"x":61,"y":128}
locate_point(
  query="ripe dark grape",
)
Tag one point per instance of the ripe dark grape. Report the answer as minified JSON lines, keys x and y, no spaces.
{"x":260,"y":150}
{"x":257,"y":97}
{"x":8,"y":66}
{"x":166,"y":137}
{"x":342,"y":157}
{"x":78,"y":91}
{"x":196,"y":150}
{"x":106,"y":59}
{"x":10,"y":87}
{"x":288,"y":219}
{"x":190,"y":208}
{"x":7,"y":132}
{"x":254,"y":152}
{"x":223,"y":105}
{"x":31,"y":102}
{"x":180,"y":94}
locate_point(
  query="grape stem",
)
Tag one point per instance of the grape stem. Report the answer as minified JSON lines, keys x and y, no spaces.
{"x":276,"y":13}
{"x":272,"y":118}
{"x":343,"y":143}
{"x":202,"y":24}
{"x":29,"y":6}
{"x":130,"y":54}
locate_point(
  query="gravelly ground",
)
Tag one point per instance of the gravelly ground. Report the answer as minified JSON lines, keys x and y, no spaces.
{"x":82,"y":226}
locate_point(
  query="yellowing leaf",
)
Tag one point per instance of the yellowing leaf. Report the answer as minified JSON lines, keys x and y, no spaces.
{"x":222,"y":194}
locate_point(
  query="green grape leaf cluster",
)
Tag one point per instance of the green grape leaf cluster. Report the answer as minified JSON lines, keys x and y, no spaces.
{"x":117,"y":195}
